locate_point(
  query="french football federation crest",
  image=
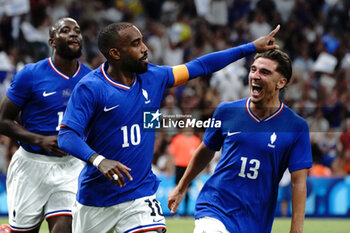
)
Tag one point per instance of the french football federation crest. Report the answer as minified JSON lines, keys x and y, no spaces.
{"x":145,"y":94}
{"x":273,"y":138}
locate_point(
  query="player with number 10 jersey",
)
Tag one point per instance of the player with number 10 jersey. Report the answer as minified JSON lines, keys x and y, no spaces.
{"x":107,"y":107}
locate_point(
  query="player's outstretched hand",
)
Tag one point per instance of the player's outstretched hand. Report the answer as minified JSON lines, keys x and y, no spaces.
{"x":174,"y":199}
{"x":114,"y":171}
{"x":49,"y":144}
{"x":267,"y":42}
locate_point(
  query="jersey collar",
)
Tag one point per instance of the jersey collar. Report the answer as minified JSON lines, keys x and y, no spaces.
{"x":62,"y":74}
{"x":252,"y":115}
{"x":111,"y":80}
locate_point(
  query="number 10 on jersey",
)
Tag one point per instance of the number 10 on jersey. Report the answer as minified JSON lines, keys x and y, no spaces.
{"x":132,"y":135}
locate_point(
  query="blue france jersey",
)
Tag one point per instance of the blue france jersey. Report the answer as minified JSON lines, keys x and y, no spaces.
{"x":42,"y":92}
{"x":242,"y":192}
{"x":110,"y":115}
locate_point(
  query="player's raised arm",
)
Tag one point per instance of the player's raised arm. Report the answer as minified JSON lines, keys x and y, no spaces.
{"x":213,"y":62}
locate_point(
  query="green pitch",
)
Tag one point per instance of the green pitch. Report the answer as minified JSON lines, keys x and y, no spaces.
{"x":281,"y":225}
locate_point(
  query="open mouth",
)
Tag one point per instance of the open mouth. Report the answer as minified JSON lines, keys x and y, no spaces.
{"x":256,"y":89}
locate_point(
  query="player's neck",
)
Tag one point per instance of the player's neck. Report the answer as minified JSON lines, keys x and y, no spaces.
{"x":66,"y":66}
{"x":264,"y":108}
{"x":126,"y":78}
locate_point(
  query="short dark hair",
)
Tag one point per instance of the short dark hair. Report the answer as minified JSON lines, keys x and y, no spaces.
{"x":284,"y":66}
{"x":109,"y":36}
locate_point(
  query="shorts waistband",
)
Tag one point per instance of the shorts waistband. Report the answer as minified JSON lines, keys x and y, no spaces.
{"x":44,"y":158}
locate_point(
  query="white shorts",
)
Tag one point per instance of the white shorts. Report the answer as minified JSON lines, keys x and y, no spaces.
{"x":209,"y":225}
{"x":39,"y":187}
{"x":143,"y":214}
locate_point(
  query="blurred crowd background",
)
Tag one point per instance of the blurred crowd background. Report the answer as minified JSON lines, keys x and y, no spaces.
{"x":315,"y":33}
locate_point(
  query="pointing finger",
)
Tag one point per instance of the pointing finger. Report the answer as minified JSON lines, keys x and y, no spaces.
{"x":273,"y":33}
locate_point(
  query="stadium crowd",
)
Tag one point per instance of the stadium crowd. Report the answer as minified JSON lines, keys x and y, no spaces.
{"x":315,"y":33}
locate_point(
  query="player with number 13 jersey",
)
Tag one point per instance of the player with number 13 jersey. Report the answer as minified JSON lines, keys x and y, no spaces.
{"x":260,"y":137}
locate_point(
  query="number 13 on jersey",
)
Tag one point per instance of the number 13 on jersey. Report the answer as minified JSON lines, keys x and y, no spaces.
{"x":253,"y":168}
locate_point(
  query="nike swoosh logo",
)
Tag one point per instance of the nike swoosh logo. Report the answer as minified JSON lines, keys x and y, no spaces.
{"x":49,"y":93}
{"x":157,"y":220}
{"x":109,"y":109}
{"x":148,"y":101}
{"x":233,"y":133}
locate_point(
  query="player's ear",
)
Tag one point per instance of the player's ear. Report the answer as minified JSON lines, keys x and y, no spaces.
{"x":52,"y":42}
{"x":282,"y":82}
{"x":114,"y":53}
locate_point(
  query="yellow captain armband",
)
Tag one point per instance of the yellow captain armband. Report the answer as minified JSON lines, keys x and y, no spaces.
{"x":181,"y":75}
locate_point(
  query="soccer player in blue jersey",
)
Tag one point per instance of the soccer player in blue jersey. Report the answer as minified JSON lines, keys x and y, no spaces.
{"x":260,"y":138}
{"x":103,"y":126}
{"x":42,"y":179}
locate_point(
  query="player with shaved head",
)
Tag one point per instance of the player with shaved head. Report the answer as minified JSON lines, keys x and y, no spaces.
{"x":42,"y":179}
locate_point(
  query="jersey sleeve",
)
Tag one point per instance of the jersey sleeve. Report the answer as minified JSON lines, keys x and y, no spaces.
{"x":213,"y":137}
{"x":210,"y":63}
{"x":301,"y":157}
{"x":79,"y":111}
{"x":163,"y":74}
{"x":21,"y":87}
{"x":69,"y":141}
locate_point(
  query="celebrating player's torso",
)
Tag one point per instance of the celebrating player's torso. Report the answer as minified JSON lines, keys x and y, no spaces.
{"x":116,"y":131}
{"x":255,"y":153}
{"x":43,"y":99}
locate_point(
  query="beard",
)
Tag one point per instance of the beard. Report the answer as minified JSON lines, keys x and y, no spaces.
{"x":141,"y":67}
{"x":135,"y":66}
{"x":64,"y":51}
